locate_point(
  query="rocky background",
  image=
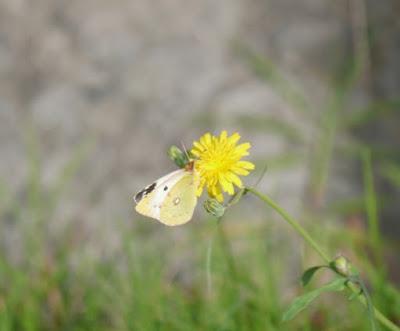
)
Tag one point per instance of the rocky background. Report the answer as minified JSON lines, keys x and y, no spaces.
{"x":92,"y":94}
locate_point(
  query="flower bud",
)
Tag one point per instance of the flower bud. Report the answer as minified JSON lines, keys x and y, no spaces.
{"x":179,"y":157}
{"x":342,"y":265}
{"x":213,"y":207}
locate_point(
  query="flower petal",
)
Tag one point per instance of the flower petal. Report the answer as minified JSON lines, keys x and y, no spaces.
{"x":242,"y":147}
{"x":220,"y":197}
{"x":245,"y":165}
{"x":234,"y":179}
{"x":233,"y":139}
{"x":223,"y":136}
{"x":219,"y":165}
{"x":198,"y":146}
{"x":205,"y":139}
{"x":240,"y":171}
{"x":196,"y":152}
{"x":215,"y":192}
{"x":226,"y":185}
{"x":200,"y":187}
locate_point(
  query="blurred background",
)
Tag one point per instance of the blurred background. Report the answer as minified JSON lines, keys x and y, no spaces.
{"x":93,"y":93}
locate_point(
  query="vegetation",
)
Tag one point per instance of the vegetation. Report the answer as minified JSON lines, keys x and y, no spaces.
{"x":238,"y":274}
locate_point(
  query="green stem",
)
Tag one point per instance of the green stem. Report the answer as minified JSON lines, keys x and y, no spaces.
{"x":303,"y":233}
{"x":227,"y":251}
{"x":371,"y":205}
{"x":300,"y":230}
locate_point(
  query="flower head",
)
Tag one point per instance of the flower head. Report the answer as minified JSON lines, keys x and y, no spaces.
{"x":218,"y":162}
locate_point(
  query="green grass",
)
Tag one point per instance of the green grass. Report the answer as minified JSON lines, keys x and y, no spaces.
{"x":150,"y":284}
{"x":240,"y":276}
{"x":139,"y":290}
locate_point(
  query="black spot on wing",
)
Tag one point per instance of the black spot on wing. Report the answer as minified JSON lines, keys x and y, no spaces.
{"x":140,"y":195}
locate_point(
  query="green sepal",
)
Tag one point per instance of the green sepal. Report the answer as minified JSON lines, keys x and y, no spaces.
{"x":213,"y":207}
{"x":179,"y":157}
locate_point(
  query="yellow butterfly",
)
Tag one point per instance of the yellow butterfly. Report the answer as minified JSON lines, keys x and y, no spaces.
{"x":172,"y":198}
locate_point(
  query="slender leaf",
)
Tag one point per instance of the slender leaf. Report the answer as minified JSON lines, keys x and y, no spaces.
{"x":309,"y":273}
{"x":302,"y":302}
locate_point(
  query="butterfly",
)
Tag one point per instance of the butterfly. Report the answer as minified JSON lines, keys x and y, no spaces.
{"x":172,"y":198}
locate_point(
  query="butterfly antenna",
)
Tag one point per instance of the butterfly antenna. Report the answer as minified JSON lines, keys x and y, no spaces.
{"x":185,"y":150}
{"x":262,"y":175}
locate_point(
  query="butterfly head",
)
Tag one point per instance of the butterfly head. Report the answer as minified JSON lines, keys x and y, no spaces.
{"x":190,"y":165}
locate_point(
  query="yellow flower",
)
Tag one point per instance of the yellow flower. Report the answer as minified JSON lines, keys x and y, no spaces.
{"x":218,"y":163}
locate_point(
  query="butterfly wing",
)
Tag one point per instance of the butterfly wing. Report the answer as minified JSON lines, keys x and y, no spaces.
{"x":150,"y":199}
{"x":179,"y":204}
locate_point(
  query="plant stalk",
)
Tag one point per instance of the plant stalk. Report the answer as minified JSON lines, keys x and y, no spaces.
{"x":305,"y":235}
